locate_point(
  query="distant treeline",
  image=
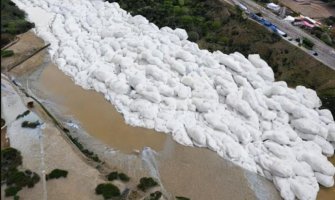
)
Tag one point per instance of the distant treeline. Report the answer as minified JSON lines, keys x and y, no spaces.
{"x":12,"y":21}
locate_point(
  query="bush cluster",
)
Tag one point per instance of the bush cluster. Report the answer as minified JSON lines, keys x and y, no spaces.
{"x":154,"y":196}
{"x":182,"y":198}
{"x":15,"y":180}
{"x":56,"y":173}
{"x":146,"y":183}
{"x":27,"y":124}
{"x":107,"y":190}
{"x":87,"y":152}
{"x":25,"y":113}
{"x":118,"y":176}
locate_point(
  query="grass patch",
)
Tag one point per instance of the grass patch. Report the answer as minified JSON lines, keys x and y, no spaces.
{"x":107,"y":190}
{"x":56,"y":174}
{"x":118,"y":176}
{"x":6,"y":53}
{"x":146,"y":183}
{"x":25,"y":113}
{"x":27,"y":124}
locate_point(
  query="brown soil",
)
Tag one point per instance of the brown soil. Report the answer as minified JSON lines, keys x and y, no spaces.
{"x":28,"y":43}
{"x":312,"y":8}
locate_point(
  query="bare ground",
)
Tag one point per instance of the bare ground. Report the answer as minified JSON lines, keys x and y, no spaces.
{"x":312,"y":8}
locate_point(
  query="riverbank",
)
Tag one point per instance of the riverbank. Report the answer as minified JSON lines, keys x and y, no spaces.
{"x":44,"y":149}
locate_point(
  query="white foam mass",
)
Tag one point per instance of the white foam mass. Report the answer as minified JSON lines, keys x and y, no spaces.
{"x":158,"y":79}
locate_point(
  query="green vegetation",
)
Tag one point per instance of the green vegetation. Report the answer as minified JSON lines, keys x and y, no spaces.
{"x":182,"y":198}
{"x":12,"y":191}
{"x":154,"y":196}
{"x":200,"y":18}
{"x":12,"y":22}
{"x":25,"y":113}
{"x":117,"y":176}
{"x":330,"y":20}
{"x":107,"y":190}
{"x":326,"y":32}
{"x":146,"y":183}
{"x":56,"y":174}
{"x":27,"y":124}
{"x":87,"y":152}
{"x":15,"y":180}
{"x":307,"y":43}
{"x":6,"y":53}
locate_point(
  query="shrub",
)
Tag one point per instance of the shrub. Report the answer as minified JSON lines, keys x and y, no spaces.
{"x":115,"y":176}
{"x":87,"y":153}
{"x":27,"y":124}
{"x":107,"y":190}
{"x":193,"y":36}
{"x":30,"y":104}
{"x":154,"y":196}
{"x":12,"y":191}
{"x":10,"y":159}
{"x":307,"y":43}
{"x":112,"y":176}
{"x":6,"y":53}
{"x":123,"y":177}
{"x":56,"y":173}
{"x":182,"y":198}
{"x":146,"y":183}
{"x":25,"y":113}
{"x":22,"y":179}
{"x":326,"y":38}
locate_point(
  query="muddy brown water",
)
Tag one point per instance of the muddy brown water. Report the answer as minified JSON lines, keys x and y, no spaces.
{"x":96,"y":115}
{"x":197,"y":173}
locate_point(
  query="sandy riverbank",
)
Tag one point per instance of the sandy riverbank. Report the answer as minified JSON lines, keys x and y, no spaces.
{"x":44,"y":149}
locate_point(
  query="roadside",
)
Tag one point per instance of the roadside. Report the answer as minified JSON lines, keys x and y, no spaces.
{"x":326,"y":54}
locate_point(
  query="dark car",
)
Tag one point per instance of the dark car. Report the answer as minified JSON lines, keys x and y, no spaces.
{"x":315,"y":53}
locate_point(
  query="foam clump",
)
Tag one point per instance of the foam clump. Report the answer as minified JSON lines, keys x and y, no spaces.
{"x":227,"y":103}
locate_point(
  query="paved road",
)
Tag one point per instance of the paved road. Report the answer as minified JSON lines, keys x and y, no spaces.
{"x":326,"y":54}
